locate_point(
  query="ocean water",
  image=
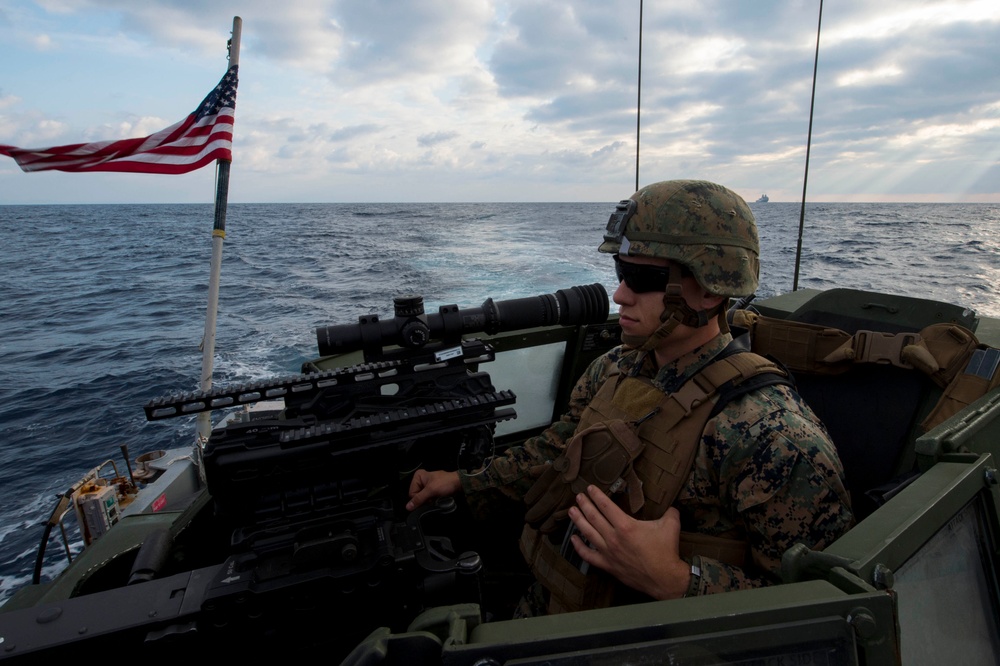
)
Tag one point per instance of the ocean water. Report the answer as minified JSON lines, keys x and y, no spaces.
{"x":102,"y":307}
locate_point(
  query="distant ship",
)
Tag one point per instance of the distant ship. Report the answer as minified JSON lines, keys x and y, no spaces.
{"x":763,"y":199}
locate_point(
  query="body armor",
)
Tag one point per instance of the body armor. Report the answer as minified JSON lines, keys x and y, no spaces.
{"x":666,"y":431}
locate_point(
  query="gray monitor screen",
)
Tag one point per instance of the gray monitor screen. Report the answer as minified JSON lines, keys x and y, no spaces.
{"x":947,"y":590}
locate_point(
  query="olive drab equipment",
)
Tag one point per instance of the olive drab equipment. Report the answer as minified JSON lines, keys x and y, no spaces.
{"x":949,"y":354}
{"x":880,"y":392}
{"x":636,"y":444}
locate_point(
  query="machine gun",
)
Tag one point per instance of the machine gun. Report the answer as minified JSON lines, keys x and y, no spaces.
{"x":419,"y":388}
{"x":315,"y":495}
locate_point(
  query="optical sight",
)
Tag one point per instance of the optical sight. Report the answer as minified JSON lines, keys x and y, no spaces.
{"x":412,"y":328}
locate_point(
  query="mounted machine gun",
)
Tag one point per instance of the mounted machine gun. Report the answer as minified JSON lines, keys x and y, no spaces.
{"x":314,"y":495}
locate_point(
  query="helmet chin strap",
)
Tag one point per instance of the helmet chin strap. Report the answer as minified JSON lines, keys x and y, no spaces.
{"x":676,"y":311}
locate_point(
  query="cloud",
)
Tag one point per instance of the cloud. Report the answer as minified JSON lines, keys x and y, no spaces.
{"x":354,"y":131}
{"x":43,"y":42}
{"x":549,"y":47}
{"x":531,"y":92}
{"x":7,"y":100}
{"x":435,"y":138}
{"x":387,"y":40}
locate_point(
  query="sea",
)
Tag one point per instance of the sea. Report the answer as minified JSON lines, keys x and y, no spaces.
{"x":102,"y":307}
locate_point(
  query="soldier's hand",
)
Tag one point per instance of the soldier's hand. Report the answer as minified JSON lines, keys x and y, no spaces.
{"x":643,"y":554}
{"x":427,"y":486}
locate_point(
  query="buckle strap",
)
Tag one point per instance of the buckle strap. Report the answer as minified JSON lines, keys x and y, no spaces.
{"x":882,"y":348}
{"x":819,"y":349}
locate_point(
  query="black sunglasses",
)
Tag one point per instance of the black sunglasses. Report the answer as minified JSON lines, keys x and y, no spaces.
{"x":641,"y":278}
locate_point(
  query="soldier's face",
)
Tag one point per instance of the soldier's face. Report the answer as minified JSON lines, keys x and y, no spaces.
{"x":640,"y":312}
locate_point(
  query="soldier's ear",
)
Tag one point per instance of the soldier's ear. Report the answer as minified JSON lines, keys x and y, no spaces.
{"x":709,"y":301}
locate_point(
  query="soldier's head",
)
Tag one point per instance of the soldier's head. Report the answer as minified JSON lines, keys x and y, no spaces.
{"x":689,"y":227}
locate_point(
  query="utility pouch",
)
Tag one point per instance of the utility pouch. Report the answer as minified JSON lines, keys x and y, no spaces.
{"x":942,"y":352}
{"x":979,"y":377}
{"x":601,"y":455}
{"x":571,"y":588}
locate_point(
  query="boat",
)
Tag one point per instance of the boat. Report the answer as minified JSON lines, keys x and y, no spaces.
{"x":762,"y":199}
{"x":286,"y":532}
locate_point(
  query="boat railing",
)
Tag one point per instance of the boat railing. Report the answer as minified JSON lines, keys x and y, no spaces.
{"x":95,"y":501}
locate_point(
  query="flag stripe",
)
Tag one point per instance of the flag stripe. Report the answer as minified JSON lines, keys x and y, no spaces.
{"x":97,"y":159}
{"x":95,"y":155}
{"x":204,"y":136}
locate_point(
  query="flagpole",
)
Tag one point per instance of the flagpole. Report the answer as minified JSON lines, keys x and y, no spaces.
{"x":218,"y":236}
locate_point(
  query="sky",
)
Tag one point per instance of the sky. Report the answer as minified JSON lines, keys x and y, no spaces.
{"x":516,"y":100}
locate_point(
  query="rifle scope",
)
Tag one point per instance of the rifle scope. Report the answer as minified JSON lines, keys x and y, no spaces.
{"x":413,"y":329}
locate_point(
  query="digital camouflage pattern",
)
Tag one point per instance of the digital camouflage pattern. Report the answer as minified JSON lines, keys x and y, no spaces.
{"x":765,"y":470}
{"x":703,"y":226}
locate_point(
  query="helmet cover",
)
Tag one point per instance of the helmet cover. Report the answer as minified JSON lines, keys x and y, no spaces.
{"x":705,"y":227}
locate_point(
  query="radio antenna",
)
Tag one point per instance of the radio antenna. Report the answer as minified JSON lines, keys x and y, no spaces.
{"x":638,"y":101}
{"x":805,"y":178}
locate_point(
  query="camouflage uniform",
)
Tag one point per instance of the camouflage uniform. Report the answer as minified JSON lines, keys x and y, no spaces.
{"x":765,"y":469}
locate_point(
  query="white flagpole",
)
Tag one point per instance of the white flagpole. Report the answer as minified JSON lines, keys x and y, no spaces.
{"x":218,"y":236}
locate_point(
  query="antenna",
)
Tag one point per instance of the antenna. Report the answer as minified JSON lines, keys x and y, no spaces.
{"x":638,"y":101}
{"x":805,"y":178}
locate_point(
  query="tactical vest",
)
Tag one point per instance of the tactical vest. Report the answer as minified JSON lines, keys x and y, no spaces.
{"x":669,"y":432}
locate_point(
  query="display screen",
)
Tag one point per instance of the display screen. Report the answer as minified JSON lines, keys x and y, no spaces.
{"x":947,"y":596}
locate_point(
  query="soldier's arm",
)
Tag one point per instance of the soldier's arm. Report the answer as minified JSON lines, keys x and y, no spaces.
{"x":784,"y":483}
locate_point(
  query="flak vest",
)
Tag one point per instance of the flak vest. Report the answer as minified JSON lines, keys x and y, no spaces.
{"x":632,"y":434}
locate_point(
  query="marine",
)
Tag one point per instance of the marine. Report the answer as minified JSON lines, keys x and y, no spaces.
{"x":685,"y":464}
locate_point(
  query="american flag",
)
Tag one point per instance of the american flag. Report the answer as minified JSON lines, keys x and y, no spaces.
{"x":204,"y":136}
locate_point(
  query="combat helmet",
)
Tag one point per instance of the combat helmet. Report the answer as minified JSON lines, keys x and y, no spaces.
{"x":705,"y":228}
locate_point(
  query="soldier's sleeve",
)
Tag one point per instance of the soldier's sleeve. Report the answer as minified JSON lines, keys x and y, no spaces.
{"x":515,"y":470}
{"x":783,"y":481}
